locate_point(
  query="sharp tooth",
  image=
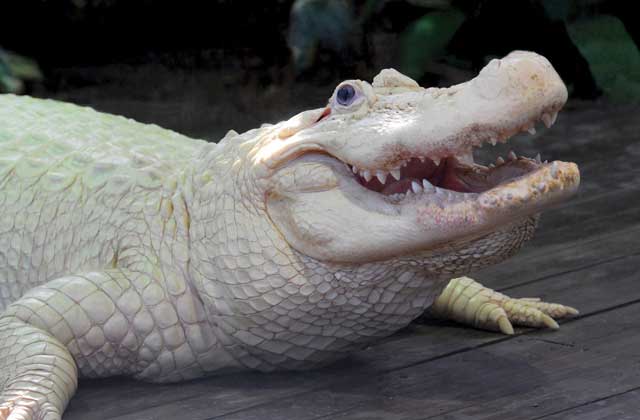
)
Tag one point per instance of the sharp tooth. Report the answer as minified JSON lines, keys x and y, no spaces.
{"x":408,"y":192}
{"x":366,"y":174}
{"x":355,"y":170}
{"x":512,"y":156}
{"x":493,"y":141}
{"x":554,"y":117}
{"x":491,"y":165}
{"x":426,"y":185}
{"x":554,"y":169}
{"x":421,"y":159}
{"x":395,"y":173}
{"x":436,"y":161}
{"x":466,"y":157}
{"x":416,"y":187}
{"x":500,"y":160}
{"x":547,"y":120}
{"x":404,"y":164}
{"x":441,"y":192}
{"x":531,"y":130}
{"x":538,"y":158}
{"x":382,"y":176}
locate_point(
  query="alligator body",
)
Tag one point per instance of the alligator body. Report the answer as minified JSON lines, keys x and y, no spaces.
{"x":127,"y":249}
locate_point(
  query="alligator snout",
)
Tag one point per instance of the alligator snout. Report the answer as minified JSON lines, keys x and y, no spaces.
{"x":521,"y":77}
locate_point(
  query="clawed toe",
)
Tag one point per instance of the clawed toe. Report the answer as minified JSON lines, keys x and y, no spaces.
{"x":467,"y":301}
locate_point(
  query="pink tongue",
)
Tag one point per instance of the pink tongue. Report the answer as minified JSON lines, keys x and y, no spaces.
{"x":398,"y":187}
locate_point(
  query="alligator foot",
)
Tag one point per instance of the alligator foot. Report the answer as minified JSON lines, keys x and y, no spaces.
{"x":469,"y":302}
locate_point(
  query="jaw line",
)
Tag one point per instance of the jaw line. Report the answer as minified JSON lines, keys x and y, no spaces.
{"x":421,"y":224}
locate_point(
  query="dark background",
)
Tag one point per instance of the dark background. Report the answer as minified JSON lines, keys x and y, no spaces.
{"x":202,"y":67}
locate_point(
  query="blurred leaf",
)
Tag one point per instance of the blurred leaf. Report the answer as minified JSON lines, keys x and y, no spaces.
{"x":14,"y":69}
{"x":426,"y":39}
{"x":10,"y":84}
{"x":557,"y":9}
{"x":612,"y":55}
{"x":23,"y":67}
{"x":315,"y":23}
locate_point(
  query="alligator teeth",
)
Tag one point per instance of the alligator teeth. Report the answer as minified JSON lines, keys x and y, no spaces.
{"x":554,"y":169}
{"x":395,"y":173}
{"x":366,"y":174}
{"x":382,"y":177}
{"x":416,"y":187}
{"x":531,"y":130}
{"x":441,"y":192}
{"x":426,"y":185}
{"x":436,"y":161}
{"x":538,"y":158}
{"x":491,"y":165}
{"x":493,"y":141}
{"x":512,"y":156}
{"x":549,"y":119}
{"x":403,"y":164}
{"x":422,"y":159}
{"x":500,"y":160}
{"x":354,"y":169}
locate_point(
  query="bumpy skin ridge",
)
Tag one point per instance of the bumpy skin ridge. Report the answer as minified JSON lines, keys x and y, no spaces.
{"x":74,"y":182}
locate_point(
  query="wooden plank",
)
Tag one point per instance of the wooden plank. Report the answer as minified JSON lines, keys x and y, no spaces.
{"x":542,"y":263}
{"x":624,"y":405}
{"x":590,"y":216}
{"x":590,"y":289}
{"x":521,"y":378}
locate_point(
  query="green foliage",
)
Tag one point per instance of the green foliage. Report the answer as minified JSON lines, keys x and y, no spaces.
{"x":612,"y":55}
{"x":318,"y":23}
{"x":426,"y":39}
{"x":14,"y":70}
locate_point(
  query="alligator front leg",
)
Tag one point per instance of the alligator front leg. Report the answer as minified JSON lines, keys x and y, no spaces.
{"x":469,"y":302}
{"x":37,"y":373}
{"x":94,"y":323}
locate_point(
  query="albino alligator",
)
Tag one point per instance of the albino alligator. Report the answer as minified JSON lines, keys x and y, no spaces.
{"x":127,"y":249}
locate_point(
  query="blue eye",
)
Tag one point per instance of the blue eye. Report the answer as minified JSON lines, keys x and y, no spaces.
{"x":345,"y":95}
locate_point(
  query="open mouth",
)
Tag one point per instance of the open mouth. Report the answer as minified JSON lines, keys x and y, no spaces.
{"x":453,"y":176}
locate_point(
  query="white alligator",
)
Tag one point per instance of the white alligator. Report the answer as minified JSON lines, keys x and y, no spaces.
{"x":128,"y":249}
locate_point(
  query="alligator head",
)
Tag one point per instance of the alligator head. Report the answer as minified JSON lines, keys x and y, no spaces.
{"x":387,"y":169}
{"x":315,"y":235}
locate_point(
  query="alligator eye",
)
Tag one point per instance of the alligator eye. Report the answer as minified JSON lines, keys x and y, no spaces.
{"x":345,"y":95}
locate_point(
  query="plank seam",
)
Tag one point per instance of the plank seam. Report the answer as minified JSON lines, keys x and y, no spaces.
{"x":584,"y":404}
{"x":573,"y":270}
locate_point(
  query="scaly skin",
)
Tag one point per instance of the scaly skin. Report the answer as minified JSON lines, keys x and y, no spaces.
{"x":127,"y":249}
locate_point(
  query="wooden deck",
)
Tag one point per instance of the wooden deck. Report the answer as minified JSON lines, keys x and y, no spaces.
{"x":586,"y":254}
